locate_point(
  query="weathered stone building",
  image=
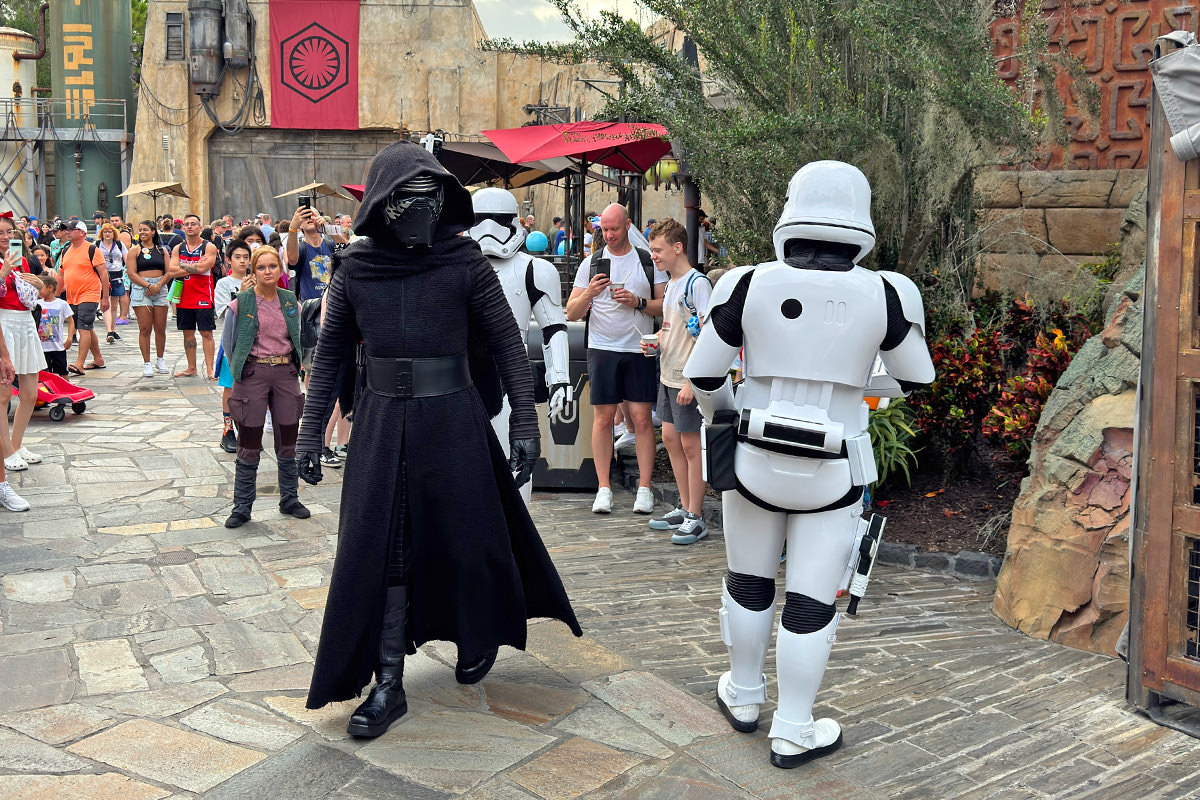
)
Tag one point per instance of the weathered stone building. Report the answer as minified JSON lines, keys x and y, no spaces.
{"x":419,"y":69}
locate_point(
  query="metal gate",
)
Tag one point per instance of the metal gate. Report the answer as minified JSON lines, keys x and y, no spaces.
{"x":246,"y":171}
{"x":1164,"y":653}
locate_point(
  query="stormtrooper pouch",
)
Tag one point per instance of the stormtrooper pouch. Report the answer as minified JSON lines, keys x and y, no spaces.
{"x":718,"y":442}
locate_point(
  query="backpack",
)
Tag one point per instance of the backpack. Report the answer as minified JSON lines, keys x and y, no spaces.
{"x":91,"y":255}
{"x":310,"y":322}
{"x":689,"y":303}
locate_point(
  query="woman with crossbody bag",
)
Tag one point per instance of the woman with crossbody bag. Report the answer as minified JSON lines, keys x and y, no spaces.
{"x":114,"y":258}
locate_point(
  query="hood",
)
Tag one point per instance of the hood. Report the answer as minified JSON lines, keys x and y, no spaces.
{"x":400,"y":162}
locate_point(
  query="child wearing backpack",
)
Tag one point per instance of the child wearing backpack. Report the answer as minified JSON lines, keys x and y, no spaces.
{"x":685,"y":305}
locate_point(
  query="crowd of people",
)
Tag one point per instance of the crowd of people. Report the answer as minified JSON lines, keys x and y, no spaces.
{"x":60,"y":278}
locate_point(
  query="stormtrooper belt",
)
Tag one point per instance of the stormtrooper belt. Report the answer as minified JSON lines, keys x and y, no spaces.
{"x":406,"y":378}
{"x":787,"y":441}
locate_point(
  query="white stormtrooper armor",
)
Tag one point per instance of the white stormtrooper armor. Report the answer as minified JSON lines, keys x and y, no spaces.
{"x":534,"y":291}
{"x":811,"y":324}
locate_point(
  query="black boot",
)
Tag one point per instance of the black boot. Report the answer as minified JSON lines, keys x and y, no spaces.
{"x":474,"y":672}
{"x":386,"y":702}
{"x":245,"y":489}
{"x":289,"y":496}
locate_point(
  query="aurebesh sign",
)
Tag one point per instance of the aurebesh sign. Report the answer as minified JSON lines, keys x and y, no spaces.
{"x":314,"y":64}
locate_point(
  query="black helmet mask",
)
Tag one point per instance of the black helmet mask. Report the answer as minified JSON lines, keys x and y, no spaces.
{"x":413,"y":209}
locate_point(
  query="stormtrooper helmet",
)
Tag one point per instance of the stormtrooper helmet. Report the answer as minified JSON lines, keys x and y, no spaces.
{"x":827,"y":201}
{"x":413,"y":209}
{"x":497,"y":223}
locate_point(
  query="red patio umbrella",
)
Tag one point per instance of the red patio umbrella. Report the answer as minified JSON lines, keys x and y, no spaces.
{"x":629,"y":146}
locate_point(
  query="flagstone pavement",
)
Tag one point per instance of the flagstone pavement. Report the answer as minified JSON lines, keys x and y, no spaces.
{"x":148,"y":652}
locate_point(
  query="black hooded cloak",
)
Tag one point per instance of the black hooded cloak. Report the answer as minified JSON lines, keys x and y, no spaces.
{"x":427,"y":472}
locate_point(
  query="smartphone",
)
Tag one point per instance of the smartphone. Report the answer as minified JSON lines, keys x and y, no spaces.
{"x":336,"y":230}
{"x":14,"y":248}
{"x":305,"y":201}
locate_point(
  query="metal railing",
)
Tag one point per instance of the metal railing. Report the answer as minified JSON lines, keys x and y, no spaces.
{"x":66,"y":120}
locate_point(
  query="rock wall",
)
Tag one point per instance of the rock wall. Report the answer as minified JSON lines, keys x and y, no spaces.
{"x":1035,"y":229}
{"x":1066,"y":570}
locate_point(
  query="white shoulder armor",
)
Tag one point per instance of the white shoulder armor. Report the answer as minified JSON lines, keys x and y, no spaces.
{"x":726,"y":284}
{"x":910,"y":298}
{"x":546,"y":278}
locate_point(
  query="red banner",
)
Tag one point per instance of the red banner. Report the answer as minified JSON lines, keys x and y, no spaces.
{"x":314,"y":64}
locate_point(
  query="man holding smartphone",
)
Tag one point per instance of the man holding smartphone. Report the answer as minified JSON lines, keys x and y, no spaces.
{"x":308,"y":252}
{"x":620,"y":296}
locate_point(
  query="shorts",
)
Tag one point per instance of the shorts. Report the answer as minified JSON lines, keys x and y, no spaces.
{"x":195,"y":319}
{"x":686,"y":419}
{"x":138,"y":296}
{"x":116,"y":285}
{"x":56,"y":361}
{"x":85,"y":315}
{"x":614,"y":377}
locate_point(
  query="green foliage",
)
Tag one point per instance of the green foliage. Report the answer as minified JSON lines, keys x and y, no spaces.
{"x":892,"y":433}
{"x":905,"y":89}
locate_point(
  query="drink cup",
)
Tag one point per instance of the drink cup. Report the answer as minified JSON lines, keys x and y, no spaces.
{"x":650,"y":345}
{"x":612,"y":288}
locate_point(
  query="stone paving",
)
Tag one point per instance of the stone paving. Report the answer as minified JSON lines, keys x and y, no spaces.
{"x":148,"y":652}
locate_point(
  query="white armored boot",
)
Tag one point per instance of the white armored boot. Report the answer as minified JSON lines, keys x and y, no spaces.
{"x":743,"y":689}
{"x":800,"y":660}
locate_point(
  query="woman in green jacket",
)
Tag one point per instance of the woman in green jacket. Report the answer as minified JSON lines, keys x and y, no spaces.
{"x":263,"y":336}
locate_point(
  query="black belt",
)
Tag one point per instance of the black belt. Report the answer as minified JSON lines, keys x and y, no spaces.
{"x":406,"y":378}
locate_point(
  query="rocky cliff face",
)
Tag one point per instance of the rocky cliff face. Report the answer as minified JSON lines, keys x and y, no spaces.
{"x":1066,"y":571}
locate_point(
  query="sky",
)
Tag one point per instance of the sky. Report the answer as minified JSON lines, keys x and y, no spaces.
{"x":537,"y":20}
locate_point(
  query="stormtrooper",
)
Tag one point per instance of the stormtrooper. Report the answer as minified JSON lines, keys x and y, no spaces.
{"x":790,"y":447}
{"x":533,"y":289}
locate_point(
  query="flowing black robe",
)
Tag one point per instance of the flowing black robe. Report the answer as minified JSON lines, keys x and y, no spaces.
{"x":430,"y":469}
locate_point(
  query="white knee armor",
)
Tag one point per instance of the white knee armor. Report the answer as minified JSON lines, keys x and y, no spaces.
{"x":811,"y":325}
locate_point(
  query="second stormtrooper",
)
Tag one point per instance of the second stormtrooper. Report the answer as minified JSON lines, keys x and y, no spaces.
{"x":533,"y":289}
{"x":791,"y":450}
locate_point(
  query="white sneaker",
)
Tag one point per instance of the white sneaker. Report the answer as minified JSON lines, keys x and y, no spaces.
{"x":148,"y":371}
{"x":30,"y":458}
{"x":619,"y":430}
{"x":691,"y":531}
{"x":268,"y":427}
{"x":603,"y":504}
{"x":644,"y":503}
{"x":627,"y":439}
{"x":10,"y":499}
{"x":161,"y":366}
{"x":15,"y":463}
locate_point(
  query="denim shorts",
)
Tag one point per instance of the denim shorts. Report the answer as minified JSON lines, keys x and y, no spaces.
{"x":138,"y":296}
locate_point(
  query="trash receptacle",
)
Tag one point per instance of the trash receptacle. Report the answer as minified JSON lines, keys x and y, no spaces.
{"x":566,"y":460}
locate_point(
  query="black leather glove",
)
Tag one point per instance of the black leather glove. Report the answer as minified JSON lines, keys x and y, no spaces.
{"x":524,"y":455}
{"x":309,"y":465}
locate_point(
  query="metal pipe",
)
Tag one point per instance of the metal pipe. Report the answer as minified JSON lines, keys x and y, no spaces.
{"x":43,"y":10}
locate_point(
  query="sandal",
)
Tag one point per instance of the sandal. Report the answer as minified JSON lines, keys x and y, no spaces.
{"x":74,"y":370}
{"x":94,"y":365}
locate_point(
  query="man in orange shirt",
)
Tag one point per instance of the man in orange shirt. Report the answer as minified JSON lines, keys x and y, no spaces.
{"x":85,"y":278}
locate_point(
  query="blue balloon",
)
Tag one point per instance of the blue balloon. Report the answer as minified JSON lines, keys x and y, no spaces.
{"x":536,"y":242}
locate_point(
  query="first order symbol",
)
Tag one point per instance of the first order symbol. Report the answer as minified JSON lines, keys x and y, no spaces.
{"x":314,"y":62}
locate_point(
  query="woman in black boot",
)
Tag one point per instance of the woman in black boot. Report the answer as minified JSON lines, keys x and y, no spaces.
{"x":263,"y":335}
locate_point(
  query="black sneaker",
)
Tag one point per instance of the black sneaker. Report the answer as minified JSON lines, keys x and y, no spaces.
{"x":229,"y":441}
{"x":330,"y":459}
{"x":116,"y":336}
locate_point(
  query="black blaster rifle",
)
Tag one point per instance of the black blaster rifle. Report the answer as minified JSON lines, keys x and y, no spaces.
{"x":868,"y":548}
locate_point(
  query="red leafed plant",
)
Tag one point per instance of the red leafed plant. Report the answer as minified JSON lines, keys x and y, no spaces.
{"x":1014,"y":418}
